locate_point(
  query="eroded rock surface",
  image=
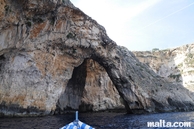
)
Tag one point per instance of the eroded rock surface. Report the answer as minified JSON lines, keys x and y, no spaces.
{"x":90,"y":89}
{"x":43,"y":47}
{"x":176,"y":64}
{"x":100,"y":93}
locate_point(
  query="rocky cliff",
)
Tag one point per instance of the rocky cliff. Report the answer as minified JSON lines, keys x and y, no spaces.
{"x":98,"y":93}
{"x":175,"y":65}
{"x":46,"y":52}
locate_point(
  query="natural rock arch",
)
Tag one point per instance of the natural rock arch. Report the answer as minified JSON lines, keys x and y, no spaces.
{"x":42,"y":42}
{"x":89,"y":89}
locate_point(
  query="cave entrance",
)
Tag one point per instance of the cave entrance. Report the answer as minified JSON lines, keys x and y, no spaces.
{"x":90,"y":89}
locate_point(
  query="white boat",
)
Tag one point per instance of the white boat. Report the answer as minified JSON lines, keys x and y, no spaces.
{"x":77,"y":124}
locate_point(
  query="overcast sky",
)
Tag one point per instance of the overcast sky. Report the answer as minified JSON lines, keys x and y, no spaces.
{"x":143,"y":24}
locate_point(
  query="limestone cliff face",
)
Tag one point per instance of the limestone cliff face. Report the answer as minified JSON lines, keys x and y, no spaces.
{"x":46,"y":52}
{"x":93,"y":91}
{"x":99,"y":93}
{"x":175,"y":65}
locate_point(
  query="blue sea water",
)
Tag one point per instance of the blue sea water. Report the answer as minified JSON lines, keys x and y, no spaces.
{"x":102,"y":120}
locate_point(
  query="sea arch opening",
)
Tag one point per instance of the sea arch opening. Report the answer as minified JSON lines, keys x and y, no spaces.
{"x":90,"y":89}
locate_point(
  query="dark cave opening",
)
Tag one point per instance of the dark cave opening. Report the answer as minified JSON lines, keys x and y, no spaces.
{"x":2,"y":59}
{"x":71,"y":99}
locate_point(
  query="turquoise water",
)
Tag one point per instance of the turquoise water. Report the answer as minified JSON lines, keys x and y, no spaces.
{"x":101,"y":120}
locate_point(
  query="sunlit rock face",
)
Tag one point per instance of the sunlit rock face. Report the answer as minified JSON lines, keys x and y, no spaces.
{"x":46,"y":51}
{"x":99,"y":93}
{"x":175,"y":65}
{"x":90,"y":89}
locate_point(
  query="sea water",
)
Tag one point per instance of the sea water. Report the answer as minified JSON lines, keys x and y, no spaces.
{"x":102,"y":120}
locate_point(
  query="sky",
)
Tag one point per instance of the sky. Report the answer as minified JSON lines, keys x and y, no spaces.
{"x":142,"y":25}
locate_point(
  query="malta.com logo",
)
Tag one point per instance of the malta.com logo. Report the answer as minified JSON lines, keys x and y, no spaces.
{"x":163,"y":123}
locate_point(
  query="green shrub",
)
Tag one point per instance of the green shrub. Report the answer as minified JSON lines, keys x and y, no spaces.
{"x":37,"y":19}
{"x":29,"y":23}
{"x":71,"y":36}
{"x":52,"y":20}
{"x":155,"y":49}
